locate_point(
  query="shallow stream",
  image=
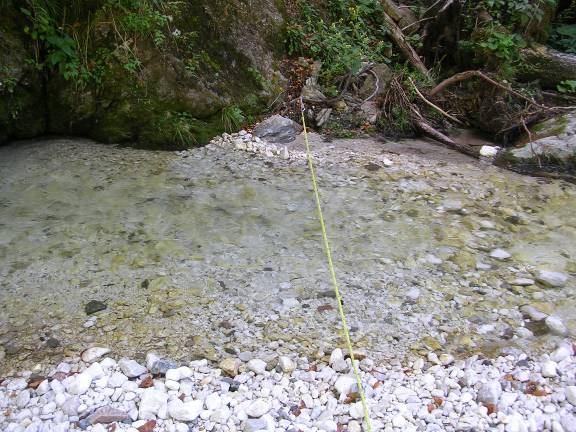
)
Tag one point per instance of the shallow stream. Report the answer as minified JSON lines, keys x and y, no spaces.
{"x":215,"y":252}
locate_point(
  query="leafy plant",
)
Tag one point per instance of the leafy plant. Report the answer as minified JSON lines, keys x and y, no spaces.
{"x":563,"y":38}
{"x":7,"y":82}
{"x":497,"y":49}
{"x":517,"y":12}
{"x":350,"y":35}
{"x":180,"y":127}
{"x":567,"y":87}
{"x":232,"y":118}
{"x":53,"y":47}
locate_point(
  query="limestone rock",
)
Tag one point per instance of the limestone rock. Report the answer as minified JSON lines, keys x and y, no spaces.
{"x":185,"y":411}
{"x":552,"y":279}
{"x":278,"y":129}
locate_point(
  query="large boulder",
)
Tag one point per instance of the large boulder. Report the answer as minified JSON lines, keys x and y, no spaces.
{"x":553,"y":147}
{"x":278,"y":129}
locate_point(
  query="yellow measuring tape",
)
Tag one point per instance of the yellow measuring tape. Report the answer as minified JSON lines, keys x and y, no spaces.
{"x":333,"y":274}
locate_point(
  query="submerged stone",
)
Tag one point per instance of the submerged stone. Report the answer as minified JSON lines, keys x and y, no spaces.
{"x":94,"y":306}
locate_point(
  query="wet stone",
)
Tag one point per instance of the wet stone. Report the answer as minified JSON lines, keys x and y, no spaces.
{"x":52,"y":343}
{"x":94,"y":306}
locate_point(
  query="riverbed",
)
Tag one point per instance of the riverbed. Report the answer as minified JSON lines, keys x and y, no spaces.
{"x":215,"y":252}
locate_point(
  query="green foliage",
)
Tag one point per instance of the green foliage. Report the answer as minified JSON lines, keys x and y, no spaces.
{"x":497,"y":49}
{"x":504,"y":46}
{"x":54,"y":48}
{"x":517,"y":12}
{"x":180,"y":127}
{"x":7,"y":82}
{"x":567,"y":87}
{"x":232,"y":118}
{"x":350,"y":35}
{"x":563,"y":38}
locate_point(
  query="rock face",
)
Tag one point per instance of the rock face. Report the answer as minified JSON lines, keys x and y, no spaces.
{"x":170,"y":88}
{"x":22,"y":114}
{"x":553,"y":147}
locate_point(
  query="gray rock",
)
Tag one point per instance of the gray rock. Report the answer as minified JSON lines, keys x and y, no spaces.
{"x":533,"y":313}
{"x":500,"y":255}
{"x":107,"y":415}
{"x":257,"y":366}
{"x":552,"y":279}
{"x":131,"y":368}
{"x":286,"y":364}
{"x":152,"y":403}
{"x":71,"y":405}
{"x":278,"y":129}
{"x":161,"y":366}
{"x":254,"y":425}
{"x":258,"y":408}
{"x":453,"y":205}
{"x":556,"y":325}
{"x":94,"y":306}
{"x":571,"y":394}
{"x":549,"y":369}
{"x":344,"y":385}
{"x":522,"y":282}
{"x":185,"y":411}
{"x":564,"y":351}
{"x":555,"y":139}
{"x":23,"y":399}
{"x":568,"y":422}
{"x":94,"y":353}
{"x":489,"y":393}
{"x":80,"y":384}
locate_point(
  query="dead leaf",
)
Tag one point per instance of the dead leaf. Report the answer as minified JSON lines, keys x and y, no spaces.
{"x":509,"y":377}
{"x":431,"y":407}
{"x":491,"y":408}
{"x":147,"y":382}
{"x":438,"y":401}
{"x":352,"y":397}
{"x":376,"y":385}
{"x":535,"y":389}
{"x":34,"y":382}
{"x":148,"y":426}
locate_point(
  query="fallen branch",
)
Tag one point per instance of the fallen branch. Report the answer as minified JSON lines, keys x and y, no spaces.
{"x":428,"y":130}
{"x":469,"y":74}
{"x":437,"y":108}
{"x":406,"y":49}
{"x":377,"y":85}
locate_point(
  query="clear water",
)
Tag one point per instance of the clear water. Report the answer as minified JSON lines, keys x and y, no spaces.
{"x":194,"y":255}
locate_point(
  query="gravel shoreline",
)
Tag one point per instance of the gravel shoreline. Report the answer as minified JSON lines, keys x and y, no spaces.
{"x":512,"y":393}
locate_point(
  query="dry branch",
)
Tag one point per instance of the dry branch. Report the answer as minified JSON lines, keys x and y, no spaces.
{"x":400,"y":41}
{"x":428,"y":130}
{"x":474,"y":73}
{"x":437,"y":108}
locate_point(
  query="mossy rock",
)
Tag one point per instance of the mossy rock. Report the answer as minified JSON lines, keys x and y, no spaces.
{"x":22,"y":113}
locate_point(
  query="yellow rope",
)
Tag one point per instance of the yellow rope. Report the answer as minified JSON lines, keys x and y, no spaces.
{"x":333,"y":276}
